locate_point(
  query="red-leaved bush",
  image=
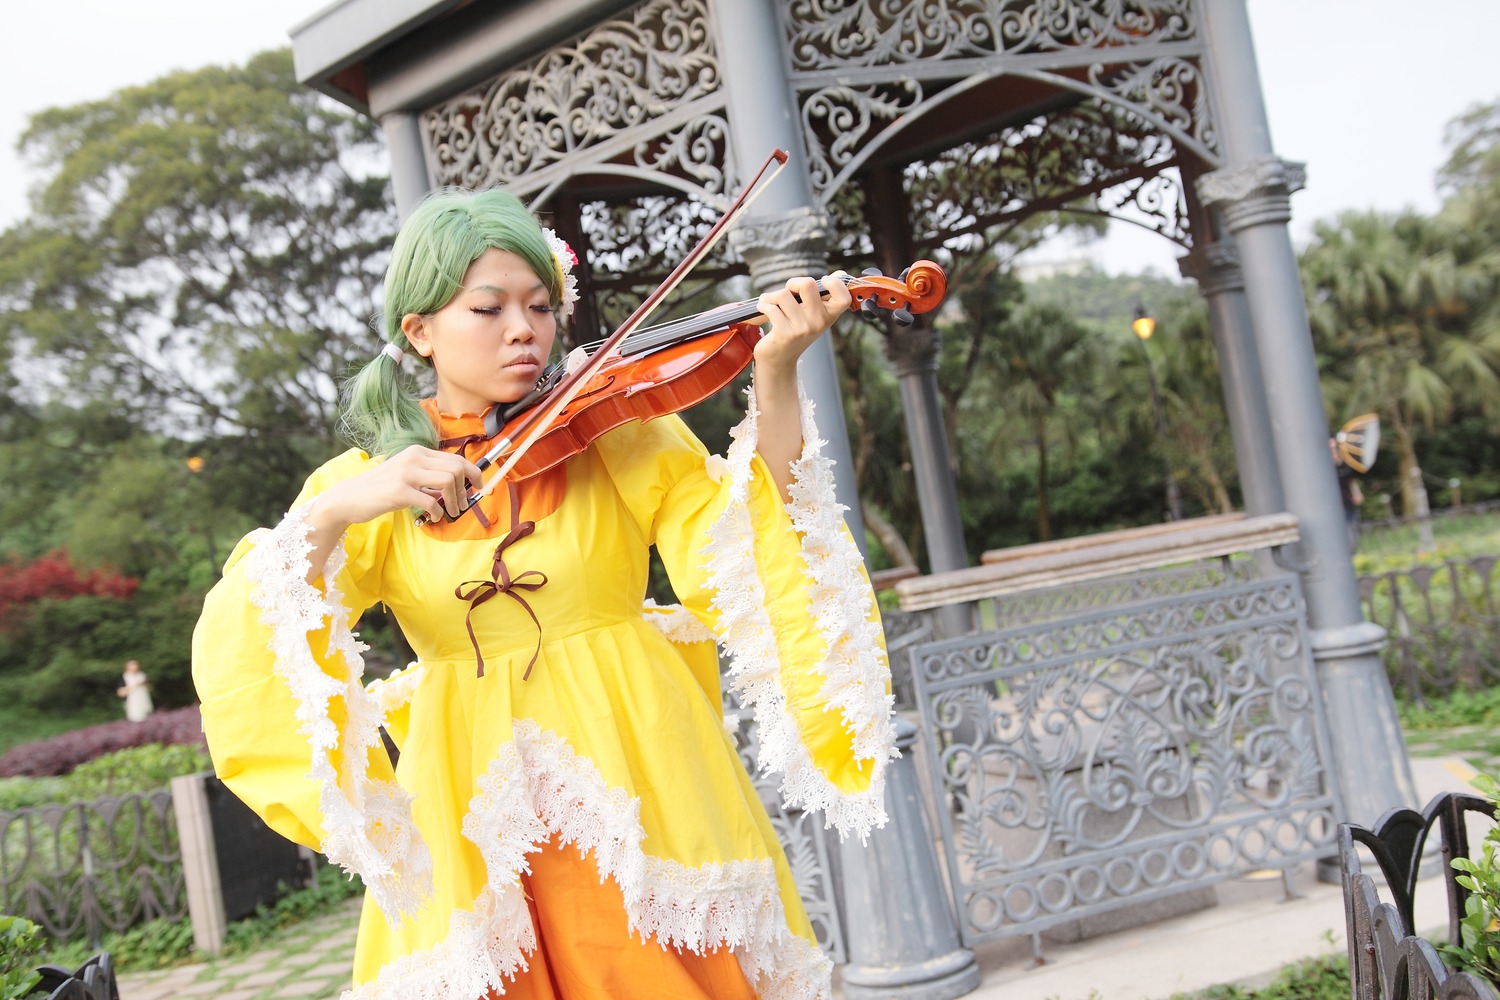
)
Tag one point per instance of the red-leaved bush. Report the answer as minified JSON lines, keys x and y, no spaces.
{"x":60,"y":754}
{"x":54,"y":575}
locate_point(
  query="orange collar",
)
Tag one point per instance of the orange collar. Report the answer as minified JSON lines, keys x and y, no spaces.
{"x":464,"y":434}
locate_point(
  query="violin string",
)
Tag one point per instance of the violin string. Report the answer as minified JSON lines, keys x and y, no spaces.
{"x":671,"y":332}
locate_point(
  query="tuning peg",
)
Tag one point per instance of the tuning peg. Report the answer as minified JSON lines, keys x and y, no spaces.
{"x":872,"y":272}
{"x":904,"y":272}
{"x":903,"y":317}
{"x":869,"y":310}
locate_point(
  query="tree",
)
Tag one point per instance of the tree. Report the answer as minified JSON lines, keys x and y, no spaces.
{"x":202,"y":254}
{"x":1387,"y":304}
{"x":1043,"y":353}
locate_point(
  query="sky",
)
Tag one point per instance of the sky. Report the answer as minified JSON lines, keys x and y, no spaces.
{"x":1361,"y":98}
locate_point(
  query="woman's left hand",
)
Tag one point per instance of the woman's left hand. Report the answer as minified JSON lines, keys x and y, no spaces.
{"x":796,"y":316}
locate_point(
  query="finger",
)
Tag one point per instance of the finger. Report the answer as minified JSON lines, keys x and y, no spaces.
{"x":429,"y":501}
{"x":776,"y":304}
{"x":839,"y":297}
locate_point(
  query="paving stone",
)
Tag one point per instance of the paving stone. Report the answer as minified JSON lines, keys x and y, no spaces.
{"x":264,"y":978}
{"x":312,"y":988}
{"x":344,"y":967}
{"x":237,"y":994}
{"x":242,"y":967}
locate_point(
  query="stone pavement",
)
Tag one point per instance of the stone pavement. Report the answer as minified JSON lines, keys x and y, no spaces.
{"x":309,"y":961}
{"x":1246,"y":939}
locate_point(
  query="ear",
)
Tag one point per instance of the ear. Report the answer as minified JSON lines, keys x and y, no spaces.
{"x":414,"y":326}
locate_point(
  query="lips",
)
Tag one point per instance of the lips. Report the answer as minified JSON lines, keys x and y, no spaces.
{"x":526,"y":361}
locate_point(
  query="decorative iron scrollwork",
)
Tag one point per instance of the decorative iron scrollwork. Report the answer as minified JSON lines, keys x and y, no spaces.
{"x":624,"y":91}
{"x":823,"y":34}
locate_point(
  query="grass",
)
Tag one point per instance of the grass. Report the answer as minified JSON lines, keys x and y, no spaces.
{"x":1324,"y":978}
{"x":1400,"y":546}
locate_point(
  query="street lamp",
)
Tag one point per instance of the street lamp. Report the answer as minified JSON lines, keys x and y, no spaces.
{"x":1143,"y":327}
{"x":195,"y":465}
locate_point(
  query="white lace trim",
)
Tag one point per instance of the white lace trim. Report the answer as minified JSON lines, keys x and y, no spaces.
{"x":677,"y":623}
{"x":854,"y":670}
{"x":488,"y":945}
{"x":392,"y":692}
{"x":538,"y":787}
{"x":367,"y":822}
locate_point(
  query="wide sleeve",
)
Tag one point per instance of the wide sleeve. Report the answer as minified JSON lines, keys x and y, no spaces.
{"x":783,"y":588}
{"x":289,"y":725}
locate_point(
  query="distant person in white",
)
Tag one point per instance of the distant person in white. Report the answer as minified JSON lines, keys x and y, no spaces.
{"x":136,"y":692}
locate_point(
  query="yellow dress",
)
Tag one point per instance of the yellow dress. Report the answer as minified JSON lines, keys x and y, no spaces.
{"x":595,"y":730}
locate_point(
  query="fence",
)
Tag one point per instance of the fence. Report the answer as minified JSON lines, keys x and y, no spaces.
{"x":1144,"y":735}
{"x":1386,"y":957}
{"x":1442,"y":624}
{"x":84,"y":868}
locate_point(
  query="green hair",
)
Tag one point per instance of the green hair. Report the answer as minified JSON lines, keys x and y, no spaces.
{"x":447,"y":231}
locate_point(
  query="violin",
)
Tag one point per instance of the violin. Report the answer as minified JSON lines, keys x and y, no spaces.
{"x":671,"y":367}
{"x":650,"y":383}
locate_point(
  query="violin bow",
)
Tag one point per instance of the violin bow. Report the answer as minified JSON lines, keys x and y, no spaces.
{"x":545,"y":413}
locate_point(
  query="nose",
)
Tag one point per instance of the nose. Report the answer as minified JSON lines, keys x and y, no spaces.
{"x":518,"y":327}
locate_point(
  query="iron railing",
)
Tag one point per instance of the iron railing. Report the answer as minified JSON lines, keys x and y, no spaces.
{"x":1386,"y":957}
{"x":1112,"y":757}
{"x":84,"y":868}
{"x":1442,"y":625}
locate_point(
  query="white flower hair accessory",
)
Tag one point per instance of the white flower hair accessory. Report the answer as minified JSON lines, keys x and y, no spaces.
{"x":564,"y":259}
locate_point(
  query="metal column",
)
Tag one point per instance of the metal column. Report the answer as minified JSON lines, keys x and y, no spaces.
{"x":1216,"y":268}
{"x":1253,"y":193}
{"x":403,"y":140}
{"x":786,"y":234}
{"x":789,"y":234}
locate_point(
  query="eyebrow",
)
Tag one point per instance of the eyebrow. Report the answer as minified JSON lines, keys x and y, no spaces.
{"x":497,"y":289}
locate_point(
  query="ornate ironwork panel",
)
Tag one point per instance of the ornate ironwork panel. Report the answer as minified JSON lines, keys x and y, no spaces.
{"x":638,"y":95}
{"x":1097,"y":160}
{"x":1442,"y":625}
{"x":1123,"y":754}
{"x":865,"y":71}
{"x":823,"y":33}
{"x":803,"y":838}
{"x":86,"y":867}
{"x":1181,"y":581}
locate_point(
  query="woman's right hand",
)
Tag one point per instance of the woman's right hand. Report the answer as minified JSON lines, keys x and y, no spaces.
{"x":414,"y":477}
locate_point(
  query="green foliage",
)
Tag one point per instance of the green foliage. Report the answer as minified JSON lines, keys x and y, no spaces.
{"x":1325,"y":978}
{"x":159,"y":944}
{"x":135,"y":769}
{"x":20,"y":946}
{"x":143,"y":768}
{"x":1479,"y":927}
{"x":1460,"y":709}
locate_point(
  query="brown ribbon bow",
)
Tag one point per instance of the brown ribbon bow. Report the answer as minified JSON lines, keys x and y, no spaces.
{"x":501,"y":582}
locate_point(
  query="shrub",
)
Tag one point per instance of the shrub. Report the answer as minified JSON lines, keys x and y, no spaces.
{"x":53,"y":576}
{"x":1479,"y":928}
{"x":20,"y":943}
{"x":61,"y":754}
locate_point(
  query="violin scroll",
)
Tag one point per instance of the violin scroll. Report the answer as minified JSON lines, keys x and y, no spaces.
{"x":919,"y":289}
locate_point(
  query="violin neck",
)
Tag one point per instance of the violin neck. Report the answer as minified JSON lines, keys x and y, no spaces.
{"x":677,"y":331}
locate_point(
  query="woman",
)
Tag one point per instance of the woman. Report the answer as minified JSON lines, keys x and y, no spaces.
{"x":136,"y":690}
{"x":569,"y":817}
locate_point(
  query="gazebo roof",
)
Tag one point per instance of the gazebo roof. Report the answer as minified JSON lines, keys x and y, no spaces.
{"x":395,"y":55}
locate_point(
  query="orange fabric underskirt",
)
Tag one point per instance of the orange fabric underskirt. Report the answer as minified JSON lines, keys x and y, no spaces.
{"x":586,"y":952}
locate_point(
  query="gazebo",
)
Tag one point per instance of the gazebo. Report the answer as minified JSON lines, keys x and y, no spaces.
{"x":913,"y":130}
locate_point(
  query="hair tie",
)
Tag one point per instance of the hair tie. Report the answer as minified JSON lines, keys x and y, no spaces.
{"x":393,"y":352}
